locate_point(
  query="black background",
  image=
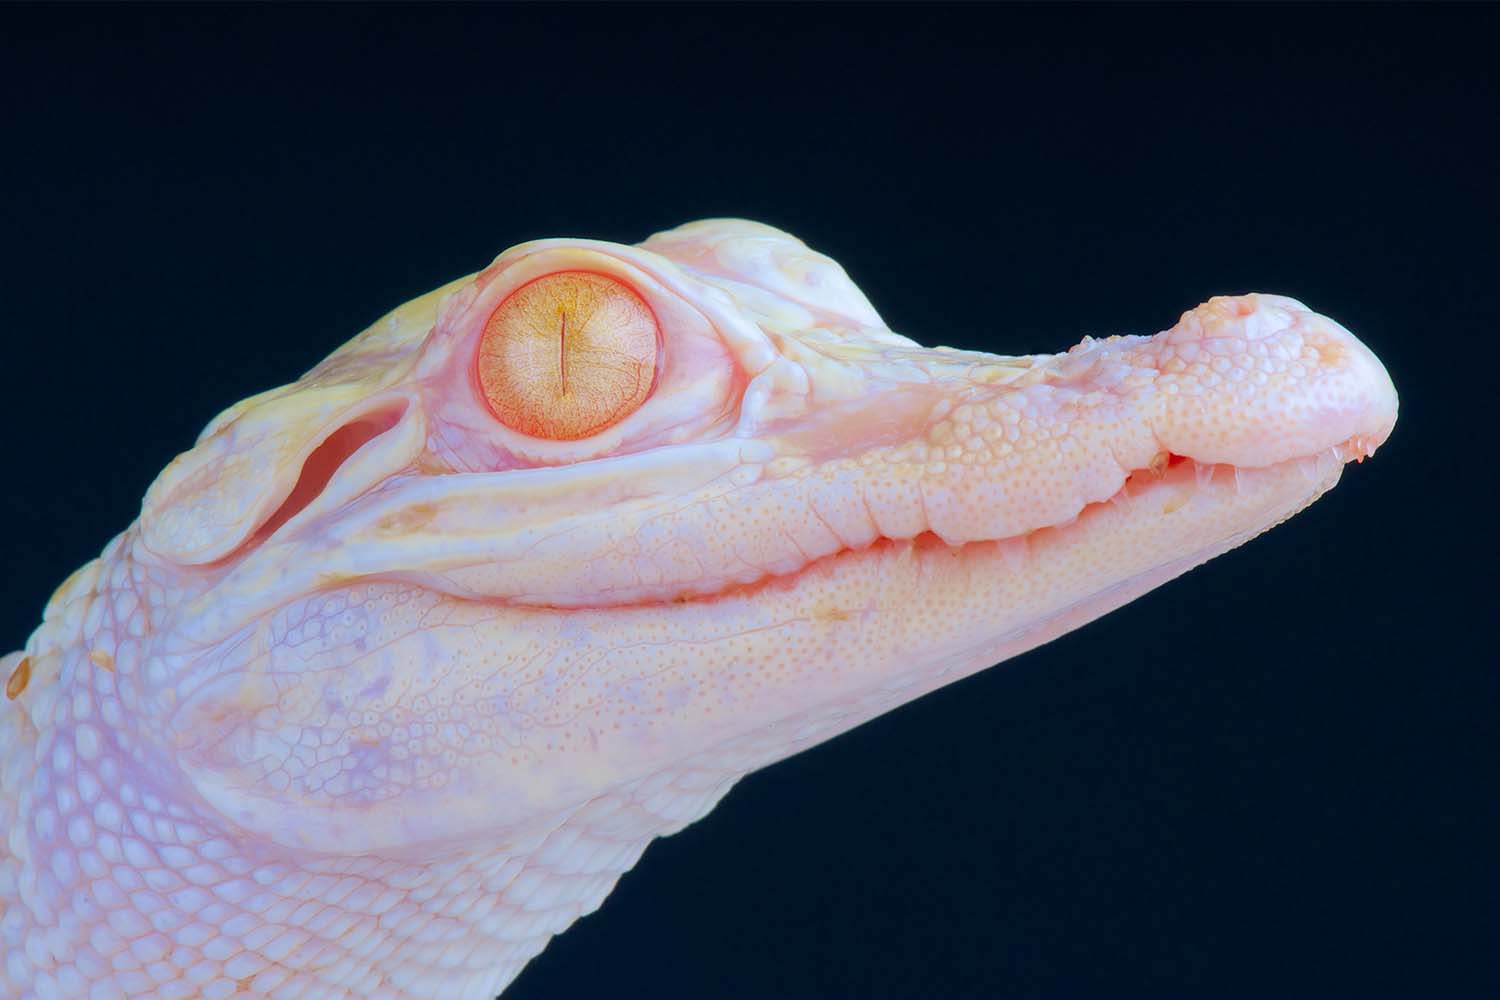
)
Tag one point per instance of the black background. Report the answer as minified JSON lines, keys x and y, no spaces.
{"x":1276,"y":776}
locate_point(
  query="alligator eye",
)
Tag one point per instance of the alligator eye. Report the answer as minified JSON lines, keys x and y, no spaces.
{"x":568,"y":355}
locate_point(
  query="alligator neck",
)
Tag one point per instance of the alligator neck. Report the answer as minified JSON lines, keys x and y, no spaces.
{"x":114,"y":874}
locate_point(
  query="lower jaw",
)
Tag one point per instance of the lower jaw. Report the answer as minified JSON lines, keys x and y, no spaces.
{"x":881,"y":626}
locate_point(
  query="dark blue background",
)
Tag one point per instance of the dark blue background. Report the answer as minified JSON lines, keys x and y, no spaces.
{"x":1275,"y":777}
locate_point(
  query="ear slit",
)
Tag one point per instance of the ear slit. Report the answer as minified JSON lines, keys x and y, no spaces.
{"x":324,"y":461}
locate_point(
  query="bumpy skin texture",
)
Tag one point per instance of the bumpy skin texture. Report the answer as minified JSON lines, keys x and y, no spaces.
{"x":378,"y":694}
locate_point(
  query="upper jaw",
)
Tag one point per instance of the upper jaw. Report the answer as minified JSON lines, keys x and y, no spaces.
{"x":962,"y":446}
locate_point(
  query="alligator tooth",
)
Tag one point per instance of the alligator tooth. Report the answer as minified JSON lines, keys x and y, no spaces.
{"x":19,"y":678}
{"x":1177,"y":502}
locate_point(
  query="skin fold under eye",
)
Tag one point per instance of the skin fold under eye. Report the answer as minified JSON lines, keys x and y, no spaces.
{"x":568,"y":355}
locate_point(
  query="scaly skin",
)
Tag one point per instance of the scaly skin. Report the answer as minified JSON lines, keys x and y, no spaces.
{"x":383,"y":732}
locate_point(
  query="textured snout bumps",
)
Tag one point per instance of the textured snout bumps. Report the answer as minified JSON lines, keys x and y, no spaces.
{"x":1252,"y":380}
{"x":1249,"y":381}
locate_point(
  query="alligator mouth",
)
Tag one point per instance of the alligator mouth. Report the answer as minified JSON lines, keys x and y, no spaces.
{"x":1227,"y":502}
{"x":1149,"y":499}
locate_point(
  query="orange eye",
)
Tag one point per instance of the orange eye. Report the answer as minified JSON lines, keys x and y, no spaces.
{"x":568,"y":355}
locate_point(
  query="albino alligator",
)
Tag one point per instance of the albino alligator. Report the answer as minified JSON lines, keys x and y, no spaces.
{"x":405,"y":663}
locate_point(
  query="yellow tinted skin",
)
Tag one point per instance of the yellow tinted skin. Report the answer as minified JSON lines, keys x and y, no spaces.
{"x":568,"y":355}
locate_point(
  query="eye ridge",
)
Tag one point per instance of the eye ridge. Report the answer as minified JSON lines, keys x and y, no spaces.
{"x":567,"y":355}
